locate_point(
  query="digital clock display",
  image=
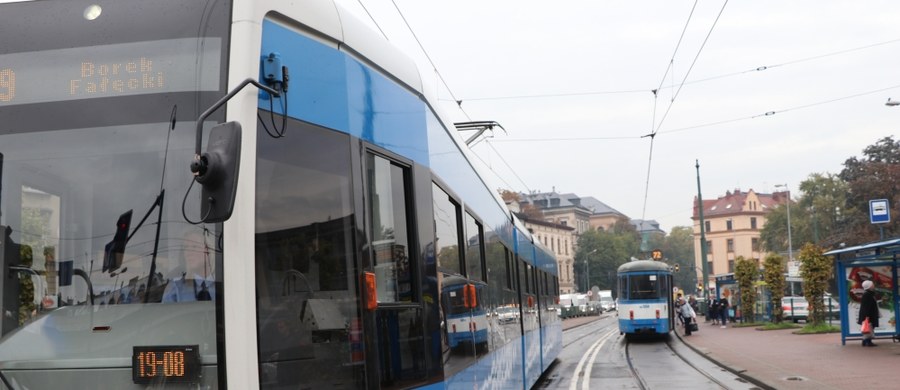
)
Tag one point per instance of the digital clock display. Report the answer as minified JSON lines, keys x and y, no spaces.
{"x":161,"y":364}
{"x":162,"y":66}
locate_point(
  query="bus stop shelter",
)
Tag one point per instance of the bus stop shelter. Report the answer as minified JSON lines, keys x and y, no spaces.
{"x":878,"y":262}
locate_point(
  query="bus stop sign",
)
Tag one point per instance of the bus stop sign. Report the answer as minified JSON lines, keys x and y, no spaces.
{"x":879,"y":212}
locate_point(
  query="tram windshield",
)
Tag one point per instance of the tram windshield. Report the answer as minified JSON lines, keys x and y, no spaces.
{"x":95,"y":140}
{"x":650,"y":286}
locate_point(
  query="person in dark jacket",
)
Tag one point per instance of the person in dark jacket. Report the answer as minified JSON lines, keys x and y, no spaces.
{"x":714,"y":311}
{"x":868,"y":308}
{"x":723,"y":312}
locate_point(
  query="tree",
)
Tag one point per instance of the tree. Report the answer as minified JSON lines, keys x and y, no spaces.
{"x":875,"y":176}
{"x":816,"y":270}
{"x":773,"y":275}
{"x":815,"y":216}
{"x":527,"y":209}
{"x":678,"y":248}
{"x":824,"y":199}
{"x":605,"y":251}
{"x":746,"y":273}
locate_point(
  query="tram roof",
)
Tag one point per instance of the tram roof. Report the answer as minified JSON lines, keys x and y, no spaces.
{"x":643,"y":265}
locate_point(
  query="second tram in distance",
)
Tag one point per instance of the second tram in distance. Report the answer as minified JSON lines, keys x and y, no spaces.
{"x":645,"y":299}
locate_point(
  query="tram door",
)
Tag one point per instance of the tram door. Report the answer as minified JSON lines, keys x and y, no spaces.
{"x":395,"y":313}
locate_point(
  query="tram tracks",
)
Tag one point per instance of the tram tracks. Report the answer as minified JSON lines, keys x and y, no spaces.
{"x":645,"y":382}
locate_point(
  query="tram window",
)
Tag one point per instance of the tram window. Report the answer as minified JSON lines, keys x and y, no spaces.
{"x":510,"y":270}
{"x":306,"y":295}
{"x":622,"y":288}
{"x":526,"y":277}
{"x":474,"y":240}
{"x":389,"y":218}
{"x":644,"y":286}
{"x":446,"y":231}
{"x":495,"y":260}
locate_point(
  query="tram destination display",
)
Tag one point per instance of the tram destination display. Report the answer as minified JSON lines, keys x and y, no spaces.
{"x":123,"y":69}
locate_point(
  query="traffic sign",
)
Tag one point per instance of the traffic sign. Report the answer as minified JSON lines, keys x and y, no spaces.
{"x":879,"y":212}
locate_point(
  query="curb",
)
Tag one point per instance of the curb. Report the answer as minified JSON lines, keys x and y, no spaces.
{"x":735,"y":371}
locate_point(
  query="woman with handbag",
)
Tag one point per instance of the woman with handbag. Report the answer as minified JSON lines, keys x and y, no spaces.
{"x":868,"y":314}
{"x":687,"y":313}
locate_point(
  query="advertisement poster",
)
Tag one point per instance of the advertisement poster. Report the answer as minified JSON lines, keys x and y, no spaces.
{"x":884,"y":287}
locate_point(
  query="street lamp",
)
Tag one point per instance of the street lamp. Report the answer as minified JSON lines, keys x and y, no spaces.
{"x":790,"y":242}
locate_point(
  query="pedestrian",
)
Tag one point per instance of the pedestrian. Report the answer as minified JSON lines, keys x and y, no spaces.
{"x":723,"y":312}
{"x":714,"y":311}
{"x":679,"y":300}
{"x":687,"y":315}
{"x":868,"y":309}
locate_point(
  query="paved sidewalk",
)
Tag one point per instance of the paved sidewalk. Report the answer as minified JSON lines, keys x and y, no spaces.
{"x":779,"y":359}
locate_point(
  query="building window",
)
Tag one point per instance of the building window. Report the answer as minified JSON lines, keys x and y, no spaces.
{"x":730,"y":266}
{"x":730,"y":244}
{"x":728,"y":225}
{"x":707,"y":227}
{"x":567,"y":246}
{"x":709,"y":248}
{"x":564,"y":222}
{"x":709,"y":267}
{"x":753,"y":223}
{"x":754,"y":242}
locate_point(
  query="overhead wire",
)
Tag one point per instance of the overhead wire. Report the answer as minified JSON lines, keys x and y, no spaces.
{"x":708,"y":124}
{"x":509,"y":186}
{"x":690,"y":68}
{"x":488,"y":143}
{"x":677,"y":45}
{"x":662,"y":80}
{"x":373,"y":19}
{"x":716,"y":77}
{"x":458,"y":102}
{"x":433,"y":66}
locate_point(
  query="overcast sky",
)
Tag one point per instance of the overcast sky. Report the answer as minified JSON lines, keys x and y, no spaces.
{"x":826,"y":70}
{"x":571,"y":82}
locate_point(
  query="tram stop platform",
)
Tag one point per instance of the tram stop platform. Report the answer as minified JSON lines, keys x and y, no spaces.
{"x":780,"y":359}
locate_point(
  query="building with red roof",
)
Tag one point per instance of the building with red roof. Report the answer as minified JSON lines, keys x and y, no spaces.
{"x":733,"y":224}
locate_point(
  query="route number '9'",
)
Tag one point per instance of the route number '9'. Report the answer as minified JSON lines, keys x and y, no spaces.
{"x":7,"y":85}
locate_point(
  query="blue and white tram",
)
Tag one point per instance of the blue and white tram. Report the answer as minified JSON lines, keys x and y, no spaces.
{"x":645,"y":298}
{"x":464,"y":313}
{"x":246,"y":194}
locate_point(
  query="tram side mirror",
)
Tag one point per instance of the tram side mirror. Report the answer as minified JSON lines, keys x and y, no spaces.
{"x":217,"y":172}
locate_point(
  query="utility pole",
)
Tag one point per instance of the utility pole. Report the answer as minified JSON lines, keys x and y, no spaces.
{"x":702,"y":235}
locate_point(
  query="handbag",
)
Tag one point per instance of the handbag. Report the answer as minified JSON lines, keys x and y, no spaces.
{"x":866,"y":326}
{"x":694,"y":327}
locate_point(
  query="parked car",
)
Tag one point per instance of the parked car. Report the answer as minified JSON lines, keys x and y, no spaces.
{"x":795,"y":308}
{"x":830,"y":305}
